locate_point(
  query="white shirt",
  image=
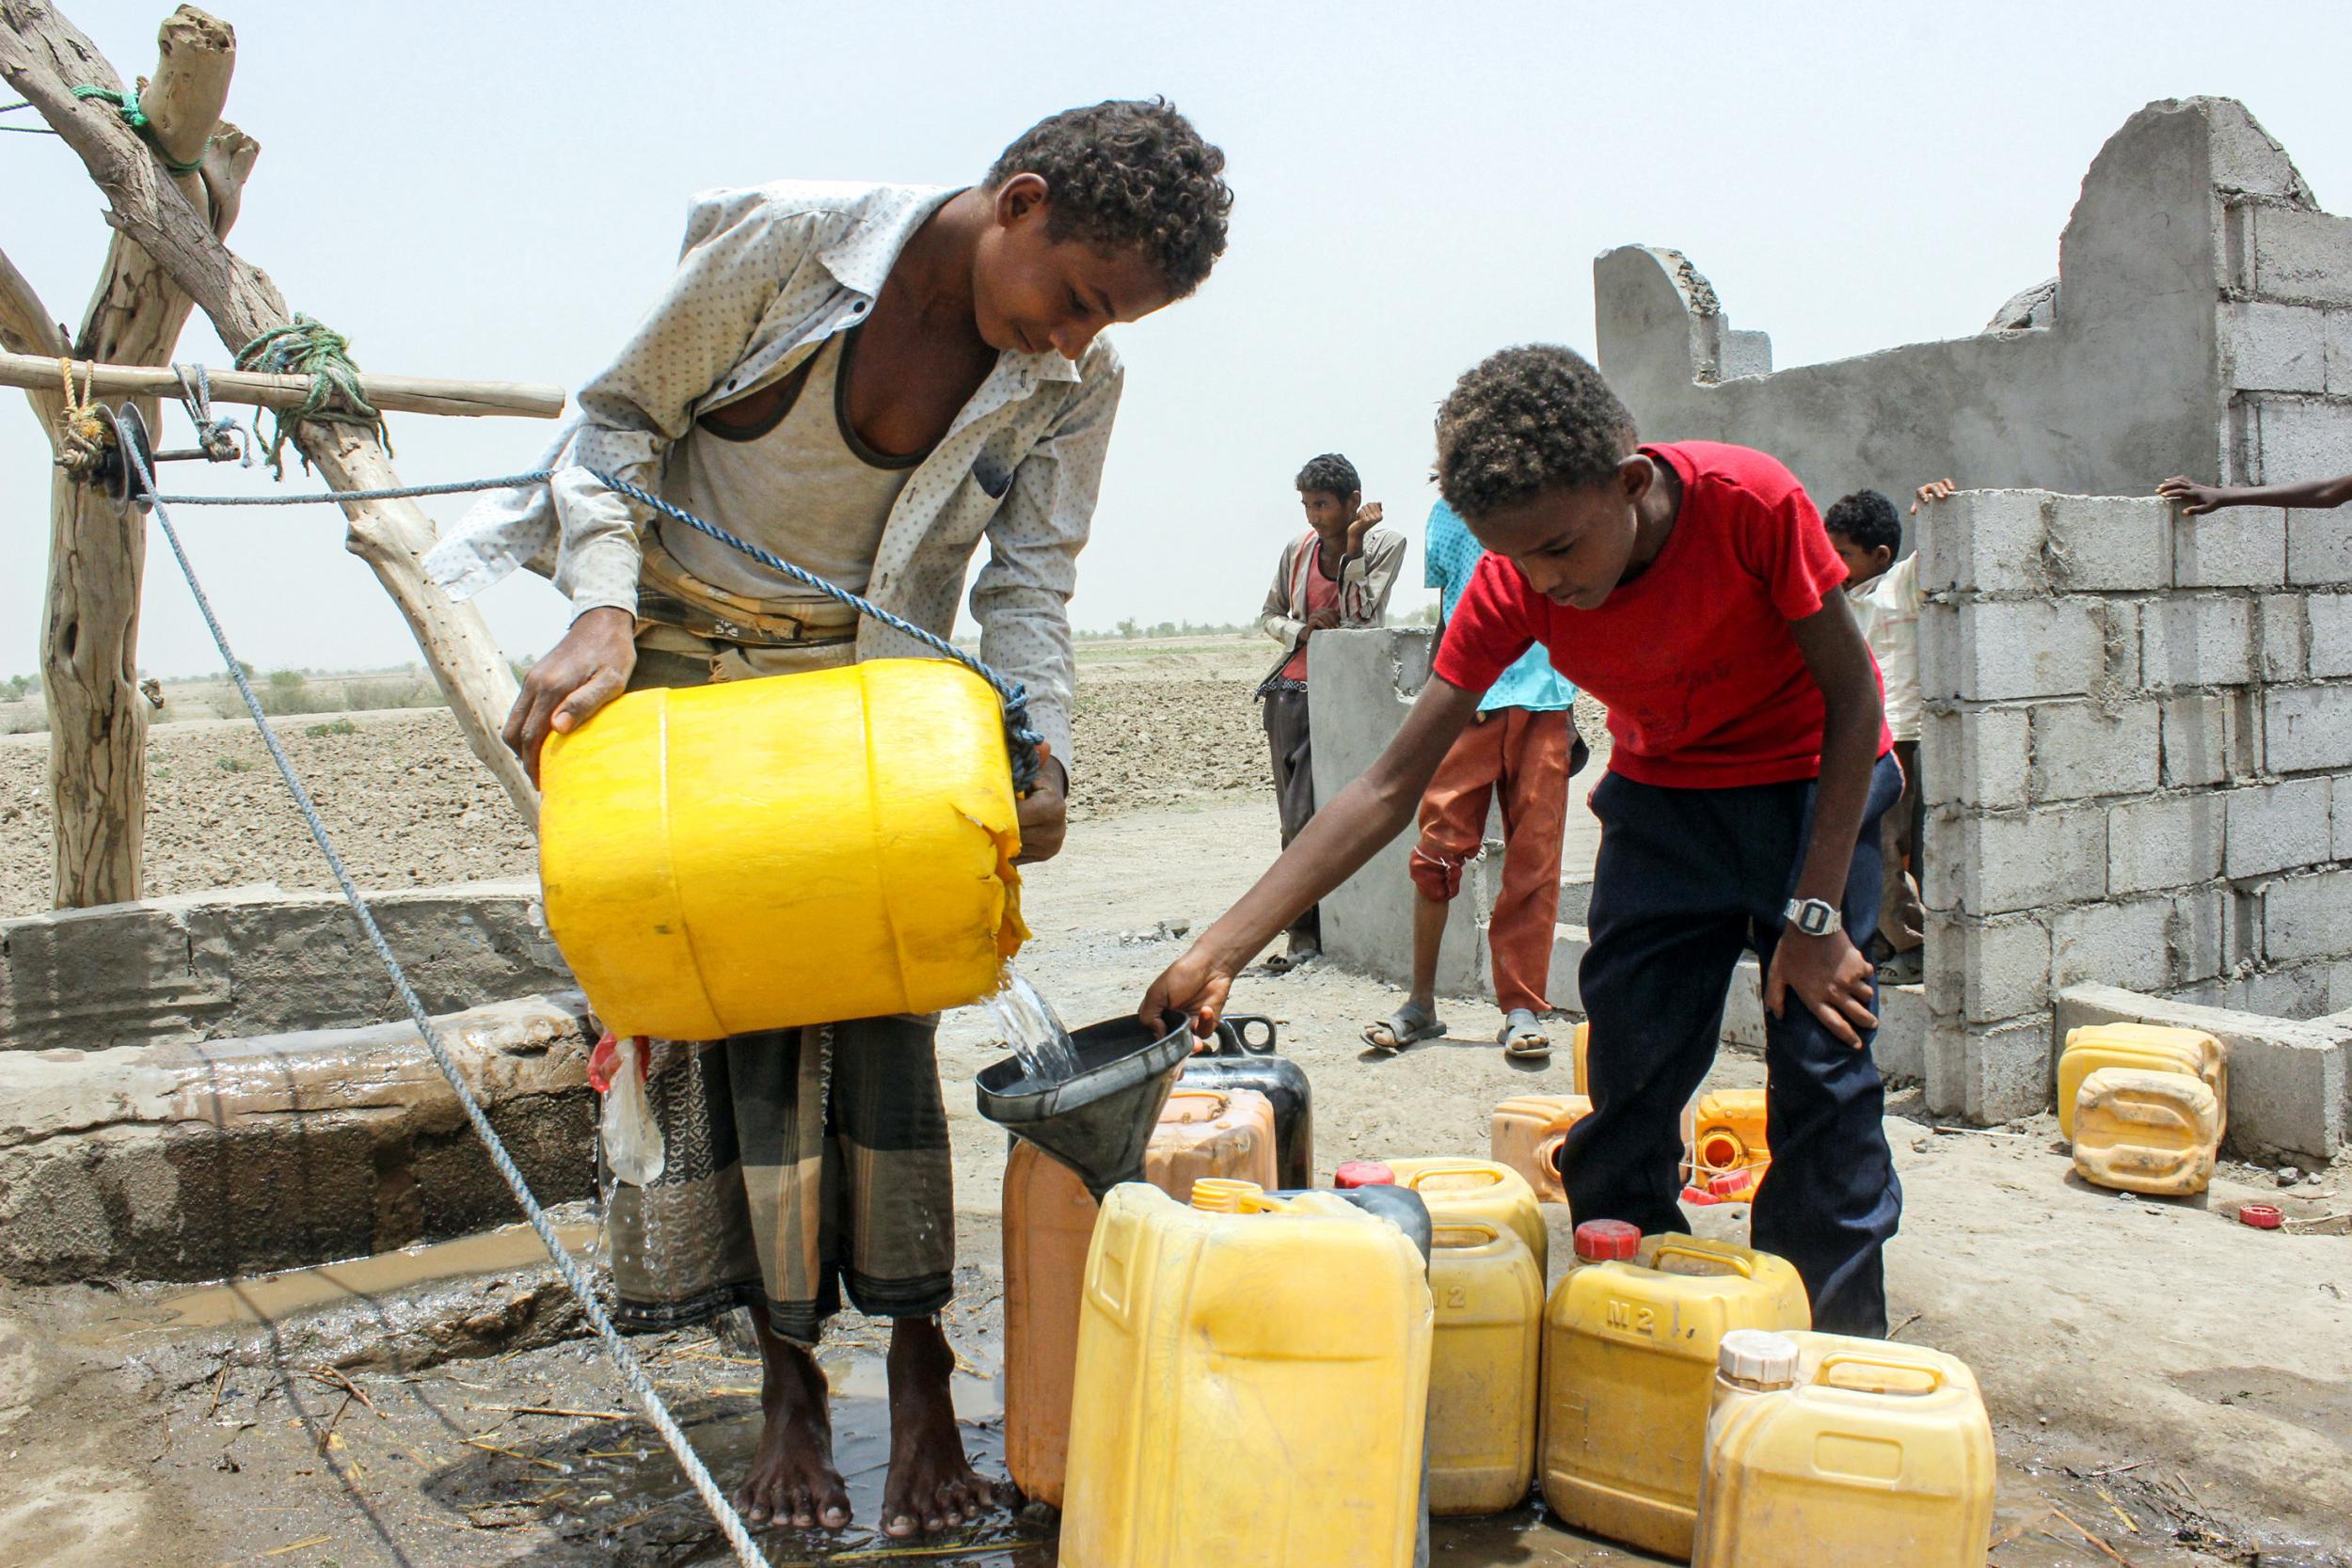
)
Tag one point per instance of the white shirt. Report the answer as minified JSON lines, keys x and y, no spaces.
{"x":766,"y":276}
{"x":1888,"y":609}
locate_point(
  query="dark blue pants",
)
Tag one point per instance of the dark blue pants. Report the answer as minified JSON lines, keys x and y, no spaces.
{"x":1685,"y":880}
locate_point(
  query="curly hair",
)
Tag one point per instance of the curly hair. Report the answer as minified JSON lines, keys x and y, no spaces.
{"x":1331,"y":474}
{"x":1529,"y":418}
{"x":1131,"y":171}
{"x":1867,"y":518}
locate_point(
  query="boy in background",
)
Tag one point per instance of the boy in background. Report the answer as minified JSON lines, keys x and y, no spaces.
{"x":1521,"y":749}
{"x":1335,"y":575}
{"x":1691,"y":588}
{"x":2195,"y":500}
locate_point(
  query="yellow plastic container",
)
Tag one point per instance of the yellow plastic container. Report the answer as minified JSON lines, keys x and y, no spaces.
{"x":1630,"y":1351}
{"x":1527,"y":1134}
{"x":1724,"y":1137}
{"x":1489,"y":1297}
{"x":765,"y":853}
{"x":1253,"y":1385}
{"x":2145,"y":1047}
{"x":1580,"y":1048}
{"x":2155,"y":1133}
{"x":1464,"y":1189}
{"x":1826,"y":1450}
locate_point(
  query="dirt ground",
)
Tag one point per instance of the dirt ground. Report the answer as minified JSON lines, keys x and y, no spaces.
{"x":2162,"y":1378}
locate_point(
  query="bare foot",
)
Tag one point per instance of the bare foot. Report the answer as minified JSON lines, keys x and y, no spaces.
{"x":792,"y":1479}
{"x":930,"y":1485}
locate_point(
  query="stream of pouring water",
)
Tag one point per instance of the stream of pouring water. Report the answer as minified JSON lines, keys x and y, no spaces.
{"x":1032,"y":1028}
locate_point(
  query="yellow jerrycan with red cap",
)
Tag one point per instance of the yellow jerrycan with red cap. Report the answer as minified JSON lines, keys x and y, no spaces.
{"x":749,"y":855}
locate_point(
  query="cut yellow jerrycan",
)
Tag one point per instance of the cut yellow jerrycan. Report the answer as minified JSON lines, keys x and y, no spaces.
{"x":2156,"y":1132}
{"x":757,"y":854}
{"x":1724,"y":1139}
{"x":2148,"y":1048}
{"x":1629,"y":1350}
{"x":1465,"y":1189}
{"x":1252,"y":1384}
{"x":1489,"y":1297}
{"x":1824,"y":1450}
{"x":1527,"y":1133}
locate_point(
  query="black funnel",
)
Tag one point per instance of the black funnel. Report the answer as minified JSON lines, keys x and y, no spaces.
{"x":1099,"y":1121}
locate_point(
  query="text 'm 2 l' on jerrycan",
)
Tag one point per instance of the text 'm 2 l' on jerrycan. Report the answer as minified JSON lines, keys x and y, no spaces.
{"x":1527,"y":1133}
{"x":2143,"y":1047}
{"x":1629,"y":1350}
{"x":1824,"y":1450}
{"x":1049,"y":1220}
{"x":1467,"y":1189}
{"x":2155,"y":1132}
{"x":1253,"y":1385}
{"x":1489,"y":1298}
{"x":759,"y":854}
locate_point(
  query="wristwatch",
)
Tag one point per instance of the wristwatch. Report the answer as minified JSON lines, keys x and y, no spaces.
{"x":1815,"y":917}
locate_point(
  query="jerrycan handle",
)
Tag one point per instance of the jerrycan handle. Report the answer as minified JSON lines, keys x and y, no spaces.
{"x":1909,"y":1371}
{"x":1718,"y":1262}
{"x":1244,"y":1033}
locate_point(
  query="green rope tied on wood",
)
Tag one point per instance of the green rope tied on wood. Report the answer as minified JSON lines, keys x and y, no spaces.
{"x":126,"y":104}
{"x":306,"y":348}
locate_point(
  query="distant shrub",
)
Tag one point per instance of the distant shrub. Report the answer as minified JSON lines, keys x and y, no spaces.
{"x":333,"y":726}
{"x":233,"y":765}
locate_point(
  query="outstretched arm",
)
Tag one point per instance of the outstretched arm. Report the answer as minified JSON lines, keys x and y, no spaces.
{"x":1335,"y":843}
{"x":2196,"y":499}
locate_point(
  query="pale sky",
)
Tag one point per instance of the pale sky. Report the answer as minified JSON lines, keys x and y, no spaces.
{"x":497,"y":190}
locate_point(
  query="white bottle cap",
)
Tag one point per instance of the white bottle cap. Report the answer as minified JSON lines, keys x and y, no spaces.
{"x":1757,"y":1357}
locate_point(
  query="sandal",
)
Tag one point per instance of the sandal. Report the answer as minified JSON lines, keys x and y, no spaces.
{"x":1523,"y":1039}
{"x":1283,"y":963}
{"x":1407,"y":1025}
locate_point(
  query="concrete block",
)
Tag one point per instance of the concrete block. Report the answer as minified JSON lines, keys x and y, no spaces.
{"x":1984,"y":542}
{"x":2120,"y":942}
{"x":1982,"y":755}
{"x":2198,"y":935}
{"x":2319,"y":547}
{"x":1568,"y":942}
{"x":2329,"y":620}
{"x":2306,"y":728}
{"x":2171,"y":840}
{"x":2081,"y":749}
{"x":2307,"y":917}
{"x":2008,"y":650}
{"x":1978,"y":971}
{"x":2299,"y":439}
{"x":1743,"y":1006}
{"x":1576,"y":896}
{"x":2282,"y":634}
{"x":2240,"y":547}
{"x":2276,"y":827}
{"x":2299,"y":992}
{"x":2206,"y":739}
{"x":2302,"y":255}
{"x":1992,"y":1072}
{"x":2276,"y":348}
{"x":2108,"y":543}
{"x":2339,"y":335}
{"x":2197,"y":640}
{"x":2290,"y":1082}
{"x":1985,"y":864}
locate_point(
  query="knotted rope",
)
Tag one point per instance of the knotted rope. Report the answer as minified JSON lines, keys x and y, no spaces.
{"x":84,"y":433}
{"x":304,"y":347}
{"x":126,"y":104}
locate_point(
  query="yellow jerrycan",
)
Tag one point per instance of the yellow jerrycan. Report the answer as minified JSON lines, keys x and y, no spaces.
{"x":2156,"y":1132}
{"x":2146,"y":1047}
{"x":1049,"y":1220}
{"x":1527,"y":1133}
{"x":1580,"y":1048}
{"x":1466,"y":1189}
{"x":1630,"y":1349}
{"x":1489,"y":1298}
{"x":1723,"y":1136}
{"x":758,"y":854}
{"x":1824,"y":1450}
{"x":1252,"y":1384}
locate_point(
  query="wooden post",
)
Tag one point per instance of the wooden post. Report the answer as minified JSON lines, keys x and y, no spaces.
{"x":392,"y":394}
{"x":43,"y":57}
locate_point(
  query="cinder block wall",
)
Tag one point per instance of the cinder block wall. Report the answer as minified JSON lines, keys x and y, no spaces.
{"x":2138,"y":738}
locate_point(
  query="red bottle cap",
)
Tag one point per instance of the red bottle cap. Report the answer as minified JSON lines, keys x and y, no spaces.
{"x":1730,"y":1183}
{"x":1604,"y":1240}
{"x":1363,"y":1173}
{"x":2261,"y":1217}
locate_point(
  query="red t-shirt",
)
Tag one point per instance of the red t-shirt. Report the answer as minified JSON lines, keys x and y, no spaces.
{"x":1704,"y":684}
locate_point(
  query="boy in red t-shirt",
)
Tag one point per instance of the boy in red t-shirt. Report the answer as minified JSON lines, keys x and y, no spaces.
{"x":1689,"y":587}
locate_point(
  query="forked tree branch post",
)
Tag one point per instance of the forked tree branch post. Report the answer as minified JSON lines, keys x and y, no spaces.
{"x":44,"y":56}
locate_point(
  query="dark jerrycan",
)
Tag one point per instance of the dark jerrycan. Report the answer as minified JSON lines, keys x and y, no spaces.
{"x":1243,"y":1058}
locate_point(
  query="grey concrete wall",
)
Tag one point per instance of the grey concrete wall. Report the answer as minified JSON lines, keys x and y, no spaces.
{"x":2137,"y":743}
{"x":2162,"y":354}
{"x":256,"y":960}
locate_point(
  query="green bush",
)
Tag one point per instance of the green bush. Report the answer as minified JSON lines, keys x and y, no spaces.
{"x":333,"y":726}
{"x":233,"y":765}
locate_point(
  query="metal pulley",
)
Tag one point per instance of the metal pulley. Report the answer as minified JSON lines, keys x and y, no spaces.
{"x":116,"y":474}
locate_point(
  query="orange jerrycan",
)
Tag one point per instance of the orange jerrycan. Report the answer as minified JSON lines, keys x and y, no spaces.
{"x":2147,"y":1048}
{"x":1826,"y":1450}
{"x":1527,"y":1134}
{"x":1466,"y":1189}
{"x":758,"y":854}
{"x":1723,"y":1134}
{"x":1489,"y":1297}
{"x":2156,"y":1132}
{"x":1252,"y":1384}
{"x":1582,"y":1047}
{"x":1630,"y":1348}
{"x":1049,"y":1220}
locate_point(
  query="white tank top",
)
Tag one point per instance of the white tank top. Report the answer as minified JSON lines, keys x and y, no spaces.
{"x":805,"y":488}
